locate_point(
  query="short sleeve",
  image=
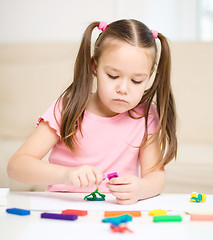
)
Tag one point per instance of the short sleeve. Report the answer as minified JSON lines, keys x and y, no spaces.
{"x":52,"y":116}
{"x":153,"y":119}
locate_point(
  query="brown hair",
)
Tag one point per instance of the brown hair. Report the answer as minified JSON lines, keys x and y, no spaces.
{"x":75,"y":97}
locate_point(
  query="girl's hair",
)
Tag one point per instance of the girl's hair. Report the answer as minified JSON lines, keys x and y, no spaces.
{"x":75,"y":97}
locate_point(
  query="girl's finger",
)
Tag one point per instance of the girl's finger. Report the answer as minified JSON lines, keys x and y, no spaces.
{"x":120,"y":180}
{"x":119,"y":187}
{"x":84,"y":181}
{"x":91,"y":179}
{"x":75,"y":181}
{"x":99,"y":176}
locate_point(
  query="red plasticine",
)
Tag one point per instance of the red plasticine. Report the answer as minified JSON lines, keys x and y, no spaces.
{"x":75,"y":212}
{"x":121,"y":229}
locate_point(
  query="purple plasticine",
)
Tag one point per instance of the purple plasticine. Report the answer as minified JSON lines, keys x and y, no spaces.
{"x":112,"y":175}
{"x":59,"y":216}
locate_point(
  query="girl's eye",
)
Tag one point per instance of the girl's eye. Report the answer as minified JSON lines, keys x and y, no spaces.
{"x":136,"y":82}
{"x":112,"y":77}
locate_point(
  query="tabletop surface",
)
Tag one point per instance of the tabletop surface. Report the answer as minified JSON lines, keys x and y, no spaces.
{"x":14,"y":227}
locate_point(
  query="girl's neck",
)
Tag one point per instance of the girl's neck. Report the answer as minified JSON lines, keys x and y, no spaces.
{"x":95,"y":106}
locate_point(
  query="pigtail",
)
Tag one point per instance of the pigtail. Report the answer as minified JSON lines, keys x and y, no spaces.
{"x":75,"y":97}
{"x":165,"y":105}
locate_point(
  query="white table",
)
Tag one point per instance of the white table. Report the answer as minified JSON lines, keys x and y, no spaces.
{"x":13,"y":227}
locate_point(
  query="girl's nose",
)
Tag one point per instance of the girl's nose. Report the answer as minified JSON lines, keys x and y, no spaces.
{"x":122,"y":87}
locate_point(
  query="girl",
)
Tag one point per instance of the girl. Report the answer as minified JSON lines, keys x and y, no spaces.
{"x":116,"y":128}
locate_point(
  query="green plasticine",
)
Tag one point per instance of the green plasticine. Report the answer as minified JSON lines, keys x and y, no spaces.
{"x":94,"y":197}
{"x":167,"y":218}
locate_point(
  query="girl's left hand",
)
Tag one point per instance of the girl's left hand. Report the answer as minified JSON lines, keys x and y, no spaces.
{"x":126,"y":189}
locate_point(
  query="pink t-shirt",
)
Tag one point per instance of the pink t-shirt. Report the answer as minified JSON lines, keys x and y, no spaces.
{"x":110,"y":144}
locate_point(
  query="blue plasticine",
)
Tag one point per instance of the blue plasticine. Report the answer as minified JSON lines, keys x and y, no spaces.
{"x":18,"y":211}
{"x":199,"y":196}
{"x":116,"y":221}
{"x":194,"y":198}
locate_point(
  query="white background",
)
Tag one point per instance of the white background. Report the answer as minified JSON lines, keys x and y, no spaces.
{"x":65,"y":20}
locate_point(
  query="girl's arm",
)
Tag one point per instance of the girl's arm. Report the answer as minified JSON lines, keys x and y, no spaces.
{"x":152,"y":182}
{"x":26,"y":165}
{"x":129,"y":189}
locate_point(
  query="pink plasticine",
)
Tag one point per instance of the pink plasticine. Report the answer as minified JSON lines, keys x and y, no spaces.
{"x":112,"y":175}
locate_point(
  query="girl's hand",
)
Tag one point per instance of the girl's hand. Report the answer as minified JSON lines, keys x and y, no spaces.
{"x":126,"y":189}
{"x":83,"y":176}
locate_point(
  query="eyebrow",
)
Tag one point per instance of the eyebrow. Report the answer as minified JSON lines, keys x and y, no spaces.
{"x":112,"y":68}
{"x":136,"y":74}
{"x":140,"y":74}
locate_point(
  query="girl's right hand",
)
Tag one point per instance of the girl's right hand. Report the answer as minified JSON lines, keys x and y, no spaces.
{"x":83,"y":176}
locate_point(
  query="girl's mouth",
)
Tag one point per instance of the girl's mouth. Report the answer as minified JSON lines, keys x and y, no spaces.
{"x":120,"y":100}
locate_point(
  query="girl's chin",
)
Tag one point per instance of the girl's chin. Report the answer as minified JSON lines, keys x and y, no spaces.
{"x":117,"y":111}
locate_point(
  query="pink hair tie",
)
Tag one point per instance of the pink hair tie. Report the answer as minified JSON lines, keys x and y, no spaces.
{"x":155,"y":33}
{"x":102,"y":26}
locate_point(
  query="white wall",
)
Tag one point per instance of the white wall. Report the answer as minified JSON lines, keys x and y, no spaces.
{"x":65,"y":20}
{"x":176,"y":18}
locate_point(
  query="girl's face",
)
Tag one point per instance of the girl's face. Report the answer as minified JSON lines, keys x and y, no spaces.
{"x":122,"y":73}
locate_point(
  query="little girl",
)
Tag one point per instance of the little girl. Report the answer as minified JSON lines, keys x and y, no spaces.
{"x":117,"y":128}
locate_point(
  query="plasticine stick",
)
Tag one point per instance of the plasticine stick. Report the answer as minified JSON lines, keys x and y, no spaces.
{"x":199,"y":217}
{"x":59,"y":216}
{"x":167,"y":218}
{"x":119,"y":213}
{"x":18,"y":211}
{"x":75,"y":212}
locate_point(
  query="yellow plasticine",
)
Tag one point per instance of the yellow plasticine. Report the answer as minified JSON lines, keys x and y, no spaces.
{"x":203,"y":197}
{"x":195,"y":195}
{"x":157,"y":212}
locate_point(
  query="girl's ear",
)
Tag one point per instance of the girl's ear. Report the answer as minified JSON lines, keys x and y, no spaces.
{"x":94,"y":66}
